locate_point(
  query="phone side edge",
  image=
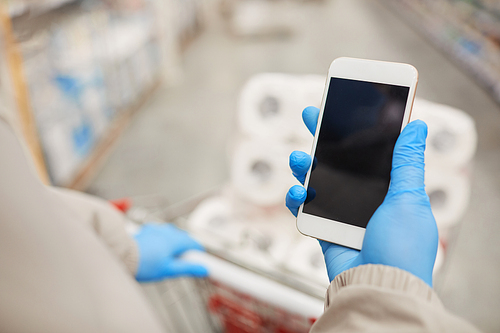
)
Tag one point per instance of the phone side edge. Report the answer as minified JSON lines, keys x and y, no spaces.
{"x":313,"y":147}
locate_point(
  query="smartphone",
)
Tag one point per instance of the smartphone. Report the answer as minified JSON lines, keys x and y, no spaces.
{"x":365,"y":106}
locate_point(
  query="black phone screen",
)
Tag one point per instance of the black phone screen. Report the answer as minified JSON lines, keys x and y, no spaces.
{"x":351,"y":175}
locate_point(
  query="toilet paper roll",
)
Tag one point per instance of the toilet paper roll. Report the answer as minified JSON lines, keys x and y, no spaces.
{"x":213,"y":220}
{"x":449,"y":194}
{"x":270,"y":106}
{"x":264,"y":247}
{"x":313,"y":89}
{"x":306,"y":259}
{"x":452,"y":135}
{"x":259,"y":172}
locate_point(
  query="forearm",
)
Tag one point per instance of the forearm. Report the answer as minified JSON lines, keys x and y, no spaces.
{"x":105,"y":221}
{"x":379,"y":298}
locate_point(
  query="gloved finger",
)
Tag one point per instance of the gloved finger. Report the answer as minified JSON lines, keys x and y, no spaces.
{"x":310,"y":117}
{"x":294,"y":198}
{"x":408,"y":159}
{"x":183,"y":268}
{"x":185,"y":243}
{"x":300,"y":163}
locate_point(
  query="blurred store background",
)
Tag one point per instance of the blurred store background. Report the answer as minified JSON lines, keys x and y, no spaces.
{"x":189,"y":109}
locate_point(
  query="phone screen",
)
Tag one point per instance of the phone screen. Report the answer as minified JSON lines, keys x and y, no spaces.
{"x":353,"y":159}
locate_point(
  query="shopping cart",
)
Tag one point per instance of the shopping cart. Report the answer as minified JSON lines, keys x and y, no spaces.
{"x":238,"y":297}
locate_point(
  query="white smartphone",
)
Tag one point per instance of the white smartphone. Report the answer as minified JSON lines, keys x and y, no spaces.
{"x":365,"y":106}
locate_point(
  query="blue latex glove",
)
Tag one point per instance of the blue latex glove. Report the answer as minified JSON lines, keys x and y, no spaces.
{"x":402,"y":232}
{"x":160,"y":246}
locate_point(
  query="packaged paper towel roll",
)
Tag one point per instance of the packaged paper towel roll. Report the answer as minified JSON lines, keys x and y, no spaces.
{"x":452,"y":136}
{"x":214,"y":218}
{"x":270,"y":106}
{"x":449,"y":194}
{"x":259,"y":172}
{"x":306,"y":259}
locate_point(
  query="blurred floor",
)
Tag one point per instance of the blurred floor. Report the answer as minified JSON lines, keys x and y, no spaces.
{"x":176,"y":145}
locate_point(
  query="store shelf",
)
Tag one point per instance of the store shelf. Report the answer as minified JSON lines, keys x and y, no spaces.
{"x":15,"y":95}
{"x":91,"y":165}
{"x":85,"y":71}
{"x":86,"y":67}
{"x":468,"y":31}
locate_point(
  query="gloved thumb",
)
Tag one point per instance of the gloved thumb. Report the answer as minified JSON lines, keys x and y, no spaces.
{"x":408,"y":159}
{"x":184,"y":268}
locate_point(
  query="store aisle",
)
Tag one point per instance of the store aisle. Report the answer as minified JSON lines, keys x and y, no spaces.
{"x":176,"y":146}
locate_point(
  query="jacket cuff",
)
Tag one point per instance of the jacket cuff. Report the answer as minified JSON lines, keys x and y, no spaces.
{"x":381,"y":277}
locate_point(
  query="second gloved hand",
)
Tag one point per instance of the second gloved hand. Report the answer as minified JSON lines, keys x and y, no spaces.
{"x":402,"y":232}
{"x":160,"y":246}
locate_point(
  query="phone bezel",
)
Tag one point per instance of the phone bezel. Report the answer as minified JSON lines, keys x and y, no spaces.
{"x":362,"y":70}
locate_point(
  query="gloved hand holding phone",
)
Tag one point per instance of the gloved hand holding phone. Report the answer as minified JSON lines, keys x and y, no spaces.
{"x":402,"y":232}
{"x":160,"y":246}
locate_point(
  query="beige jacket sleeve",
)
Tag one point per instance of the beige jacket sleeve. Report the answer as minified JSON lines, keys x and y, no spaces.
{"x":107,"y":222}
{"x":56,"y":275}
{"x":377,"y":298}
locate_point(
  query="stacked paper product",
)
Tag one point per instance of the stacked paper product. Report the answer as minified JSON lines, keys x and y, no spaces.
{"x":262,"y":238}
{"x":215,"y":223}
{"x":451,"y":145}
{"x":249,"y":219}
{"x":81,"y":72}
{"x":306,"y":259}
{"x":270,"y":127}
{"x":450,"y":149}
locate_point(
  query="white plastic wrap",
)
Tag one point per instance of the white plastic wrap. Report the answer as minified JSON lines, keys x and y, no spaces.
{"x":452,"y":136}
